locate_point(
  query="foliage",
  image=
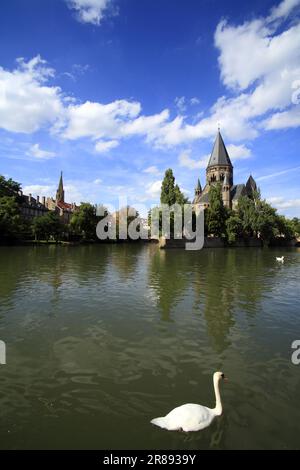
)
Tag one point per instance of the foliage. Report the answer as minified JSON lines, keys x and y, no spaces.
{"x":247,"y":214}
{"x":9,"y":187}
{"x":84,"y":221}
{"x":216,"y":213}
{"x":171,"y":193}
{"x":253,"y":217}
{"x":11,"y":223}
{"x":47,"y":226}
{"x":295,"y":225}
{"x":234,"y":228}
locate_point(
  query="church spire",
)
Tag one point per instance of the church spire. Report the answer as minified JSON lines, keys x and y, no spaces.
{"x":198,"y":189}
{"x":219,"y":155}
{"x":60,"y":193}
{"x":251,"y":186}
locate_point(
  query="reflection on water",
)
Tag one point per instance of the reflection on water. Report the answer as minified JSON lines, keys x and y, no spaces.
{"x":102,"y":338}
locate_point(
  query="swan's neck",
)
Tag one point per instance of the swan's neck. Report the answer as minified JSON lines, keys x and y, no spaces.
{"x":218,"y":409}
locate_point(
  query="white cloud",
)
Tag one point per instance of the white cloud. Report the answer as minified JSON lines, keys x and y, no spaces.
{"x":39,"y":190}
{"x":283,"y":9}
{"x":90,"y":11}
{"x":270,"y":53}
{"x":259,"y":98}
{"x":151,"y":170}
{"x":105,"y":146}
{"x":97,"y":120}
{"x":264,"y":67}
{"x":186,"y":161}
{"x":153,"y":189}
{"x":145,"y":125}
{"x":75,"y":192}
{"x":97,"y":181}
{"x":37,"y":152}
{"x":282,"y":203}
{"x":180,"y":103}
{"x":194,"y":101}
{"x":278,"y":173}
{"x":26,"y":103}
{"x":77,"y":71}
{"x":238,"y":152}
{"x":283,"y":120}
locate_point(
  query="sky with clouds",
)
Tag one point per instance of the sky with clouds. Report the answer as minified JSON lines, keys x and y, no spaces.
{"x":114,"y":92}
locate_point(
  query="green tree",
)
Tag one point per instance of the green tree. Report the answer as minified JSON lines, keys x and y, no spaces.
{"x":9,"y":187}
{"x":295,"y":223}
{"x":216,"y":214}
{"x":84,"y":221}
{"x":234,"y":227}
{"x":180,"y":198}
{"x":167,"y":195}
{"x":171,"y":193}
{"x":47,"y":226}
{"x":246,"y":212}
{"x":11,"y":222}
{"x":284,"y":227}
{"x":264,"y":223}
{"x":130,"y":212}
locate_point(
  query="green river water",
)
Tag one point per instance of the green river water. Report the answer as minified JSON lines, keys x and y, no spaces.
{"x":101,"y":339}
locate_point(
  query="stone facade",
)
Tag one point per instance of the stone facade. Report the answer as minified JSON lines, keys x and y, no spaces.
{"x":32,"y":207}
{"x":220,"y":170}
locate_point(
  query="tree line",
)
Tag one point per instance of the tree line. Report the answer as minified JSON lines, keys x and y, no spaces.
{"x":253,"y":217}
{"x":15,"y":227}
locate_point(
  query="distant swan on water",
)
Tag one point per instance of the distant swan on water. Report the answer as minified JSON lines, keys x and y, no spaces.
{"x":281,"y":259}
{"x":192,"y":417}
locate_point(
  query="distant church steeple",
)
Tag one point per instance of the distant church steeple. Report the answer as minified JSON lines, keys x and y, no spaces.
{"x":198,"y":189}
{"x":60,"y":193}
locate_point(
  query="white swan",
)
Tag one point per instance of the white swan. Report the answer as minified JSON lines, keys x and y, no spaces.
{"x":281,"y":260}
{"x":192,"y":417}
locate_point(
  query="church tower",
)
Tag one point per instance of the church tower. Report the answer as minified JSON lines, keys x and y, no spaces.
{"x":219,"y":164}
{"x":226,"y":192}
{"x":198,"y":189}
{"x":198,"y":192}
{"x":60,"y":193}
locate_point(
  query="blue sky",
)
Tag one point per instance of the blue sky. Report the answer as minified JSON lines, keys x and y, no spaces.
{"x":114,"y":92}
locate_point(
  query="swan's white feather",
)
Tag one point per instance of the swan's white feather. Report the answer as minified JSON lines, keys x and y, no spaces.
{"x":188,"y":417}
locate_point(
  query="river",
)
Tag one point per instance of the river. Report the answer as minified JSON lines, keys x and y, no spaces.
{"x":101,"y":339}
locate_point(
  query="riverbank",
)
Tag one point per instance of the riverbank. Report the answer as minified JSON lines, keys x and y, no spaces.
{"x":163,"y":243}
{"x":218,"y":242}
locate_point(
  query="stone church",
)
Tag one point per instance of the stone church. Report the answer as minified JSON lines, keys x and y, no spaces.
{"x":220,"y":170}
{"x":64,"y":209}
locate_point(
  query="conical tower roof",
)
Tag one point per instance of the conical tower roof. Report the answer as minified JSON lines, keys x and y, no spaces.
{"x":60,"y":194}
{"x":61,"y":184}
{"x":251,"y":184}
{"x":219,"y":155}
{"x":198,"y":187}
